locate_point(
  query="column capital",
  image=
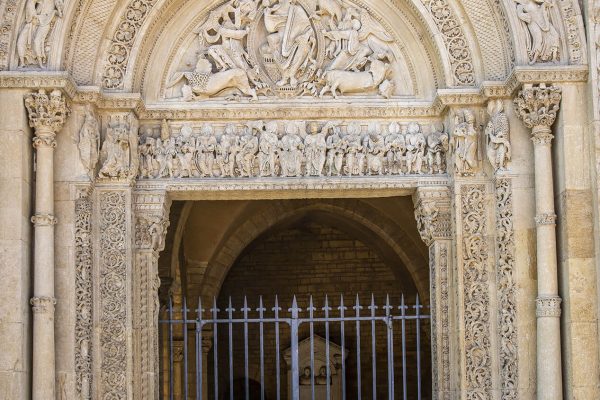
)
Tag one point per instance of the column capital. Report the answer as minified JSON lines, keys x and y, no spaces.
{"x":432,"y":212}
{"x":548,"y":306}
{"x":43,"y":304}
{"x":150,"y":232}
{"x":537,"y":106}
{"x":47,"y":114}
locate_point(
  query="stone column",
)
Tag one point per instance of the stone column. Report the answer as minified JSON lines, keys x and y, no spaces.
{"x":47,"y":115}
{"x":537,"y":106}
{"x":432,"y":212}
{"x":151,"y":216}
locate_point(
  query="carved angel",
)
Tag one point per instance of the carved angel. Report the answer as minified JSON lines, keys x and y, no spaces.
{"x":88,"y":141}
{"x":543,"y":41}
{"x":31,"y":43}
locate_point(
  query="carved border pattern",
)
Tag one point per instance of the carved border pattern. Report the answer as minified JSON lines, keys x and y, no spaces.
{"x":507,"y":302}
{"x":113,"y":296}
{"x":444,"y":303}
{"x":435,"y":357}
{"x":455,"y":40}
{"x":571,"y":19}
{"x":9,"y":15}
{"x":83,"y":294}
{"x":476,"y":298}
{"x":122,"y":42}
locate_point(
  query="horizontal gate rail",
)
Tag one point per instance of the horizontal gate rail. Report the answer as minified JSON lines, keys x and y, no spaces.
{"x":177,"y":322}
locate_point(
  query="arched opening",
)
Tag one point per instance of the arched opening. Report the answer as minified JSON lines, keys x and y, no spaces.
{"x":298,"y":249}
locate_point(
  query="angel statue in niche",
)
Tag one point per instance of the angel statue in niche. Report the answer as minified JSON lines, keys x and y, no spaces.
{"x":542,"y":38}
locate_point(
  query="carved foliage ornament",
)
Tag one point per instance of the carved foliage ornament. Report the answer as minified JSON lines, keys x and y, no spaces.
{"x":293,"y":149}
{"x":537,"y":105}
{"x":47,"y":114}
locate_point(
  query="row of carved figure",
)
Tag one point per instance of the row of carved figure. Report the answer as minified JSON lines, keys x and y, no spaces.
{"x":263,"y":149}
{"x":293,"y":149}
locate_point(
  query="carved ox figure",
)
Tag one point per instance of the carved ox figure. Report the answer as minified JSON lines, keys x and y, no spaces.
{"x":353,"y":82}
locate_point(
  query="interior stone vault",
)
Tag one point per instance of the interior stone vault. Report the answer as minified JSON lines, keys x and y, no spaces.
{"x":161,"y":151}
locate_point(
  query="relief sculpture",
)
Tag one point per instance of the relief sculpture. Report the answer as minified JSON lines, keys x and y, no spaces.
{"x":541,"y":37}
{"x":40,"y":18}
{"x":290,"y":149}
{"x":289,"y":48}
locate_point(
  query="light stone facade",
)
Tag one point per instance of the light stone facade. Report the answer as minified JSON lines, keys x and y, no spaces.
{"x":464,"y":135}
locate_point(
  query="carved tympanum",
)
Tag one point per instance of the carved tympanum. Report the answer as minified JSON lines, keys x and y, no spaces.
{"x":40,"y":18}
{"x":497,"y":132}
{"x":289,"y":48}
{"x":293,"y":149}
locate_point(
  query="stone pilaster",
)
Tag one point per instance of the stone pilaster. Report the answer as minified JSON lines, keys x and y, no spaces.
{"x":432,"y":212}
{"x":47,"y":115}
{"x":537,"y":106}
{"x":151,"y":223}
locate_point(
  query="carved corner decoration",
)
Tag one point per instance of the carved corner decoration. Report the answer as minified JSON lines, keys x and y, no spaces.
{"x":478,"y":352}
{"x":507,"y":290}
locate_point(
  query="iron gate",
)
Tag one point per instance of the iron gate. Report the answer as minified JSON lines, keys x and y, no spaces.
{"x":399,"y":319}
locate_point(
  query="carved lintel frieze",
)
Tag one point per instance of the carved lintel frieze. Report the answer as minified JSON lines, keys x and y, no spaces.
{"x":548,"y":306}
{"x":44,"y":220}
{"x":43,"y":304}
{"x":47,"y":114}
{"x":537,"y":106}
{"x":545,"y":219}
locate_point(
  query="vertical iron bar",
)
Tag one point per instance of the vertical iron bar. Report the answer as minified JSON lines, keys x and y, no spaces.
{"x":343,"y":342}
{"x":357,"y":308}
{"x":247,"y":385}
{"x":294,"y":350}
{"x":311,"y":310}
{"x":390,"y":346}
{"x":261,"y":311}
{"x":403,"y":320}
{"x":171,"y":382}
{"x":328,"y":372}
{"x":277,"y":309}
{"x":215,"y":311}
{"x":373,"y":307}
{"x":199,"y":351}
{"x":185,"y":348}
{"x":418,"y":318}
{"x":230,"y":327}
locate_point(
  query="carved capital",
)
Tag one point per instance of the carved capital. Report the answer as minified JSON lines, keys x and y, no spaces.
{"x":44,"y":139}
{"x":44,"y":220}
{"x":545,"y":219}
{"x":537,"y":106}
{"x":548,"y":306}
{"x":43,"y":304}
{"x":150,"y":232}
{"x":47,"y":114}
{"x":433,"y":215}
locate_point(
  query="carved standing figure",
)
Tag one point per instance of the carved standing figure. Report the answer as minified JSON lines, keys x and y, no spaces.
{"x":115,"y":153}
{"x":227,"y":149}
{"x":374,"y":144}
{"x":355,"y":157}
{"x":415,"y":148}
{"x":437,"y":146}
{"x":205,"y":151}
{"x":248,"y":143}
{"x":291,"y":147}
{"x":316,"y":147}
{"x":39,"y":17}
{"x":268,"y":146}
{"x":335,"y":149}
{"x":497,"y":131}
{"x":395,"y":145}
{"x":88,"y":141}
{"x":464,"y":143}
{"x":543,"y":41}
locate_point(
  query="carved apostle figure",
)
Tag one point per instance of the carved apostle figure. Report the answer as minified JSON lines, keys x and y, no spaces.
{"x":415,"y":148}
{"x":205,"y":151}
{"x":374,"y":145}
{"x":168,"y":154}
{"x":437,"y":146}
{"x":543,"y":41}
{"x":395,"y":145}
{"x":186,"y":147}
{"x":355,"y":156}
{"x":497,"y":132}
{"x":227,"y":149}
{"x":464,"y":143}
{"x":291,"y":147}
{"x":115,"y":153}
{"x":268,"y":146}
{"x":88,"y":141}
{"x":315,"y":149}
{"x":148,"y":164}
{"x":248,"y":149}
{"x":335,"y":149}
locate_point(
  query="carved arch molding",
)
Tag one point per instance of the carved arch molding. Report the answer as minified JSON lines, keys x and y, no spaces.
{"x":495,"y":39}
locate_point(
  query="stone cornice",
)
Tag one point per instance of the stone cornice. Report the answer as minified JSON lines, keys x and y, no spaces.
{"x":368,"y":108}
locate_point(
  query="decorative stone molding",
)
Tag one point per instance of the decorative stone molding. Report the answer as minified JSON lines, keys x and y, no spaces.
{"x":545,"y":219}
{"x":47,"y":112}
{"x":537,"y":106}
{"x":83,"y":292}
{"x":113,"y":295}
{"x":508,"y":347}
{"x":478,"y":351}
{"x":548,"y":306}
{"x":43,"y":304}
{"x":44,"y":220}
